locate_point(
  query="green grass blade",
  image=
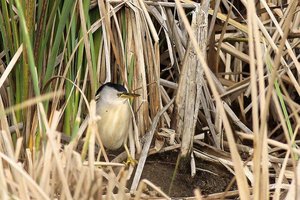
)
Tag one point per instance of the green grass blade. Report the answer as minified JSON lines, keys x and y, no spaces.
{"x":67,"y":7}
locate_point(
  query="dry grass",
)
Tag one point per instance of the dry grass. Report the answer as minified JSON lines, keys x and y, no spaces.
{"x":224,"y":76}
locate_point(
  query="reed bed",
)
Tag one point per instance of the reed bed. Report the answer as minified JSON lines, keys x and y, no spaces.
{"x":218,"y":82}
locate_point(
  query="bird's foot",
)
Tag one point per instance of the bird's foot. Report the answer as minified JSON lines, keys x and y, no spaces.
{"x":130,"y":161}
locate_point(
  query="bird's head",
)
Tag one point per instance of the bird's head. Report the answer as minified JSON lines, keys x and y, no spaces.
{"x":114,"y":93}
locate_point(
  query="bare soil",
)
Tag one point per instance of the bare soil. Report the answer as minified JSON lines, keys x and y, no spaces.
{"x":210,"y":177}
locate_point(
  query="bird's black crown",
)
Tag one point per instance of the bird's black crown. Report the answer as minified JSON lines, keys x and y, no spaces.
{"x":118,"y":87}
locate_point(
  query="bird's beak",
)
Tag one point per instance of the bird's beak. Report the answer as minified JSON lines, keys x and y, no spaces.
{"x":127,"y":95}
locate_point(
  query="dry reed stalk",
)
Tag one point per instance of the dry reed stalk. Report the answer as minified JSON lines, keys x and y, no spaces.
{"x":241,"y":180}
{"x":190,"y":87}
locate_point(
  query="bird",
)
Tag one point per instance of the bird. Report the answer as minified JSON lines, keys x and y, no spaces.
{"x":113,"y":107}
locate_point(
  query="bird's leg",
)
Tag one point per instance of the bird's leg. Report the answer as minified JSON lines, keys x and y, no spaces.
{"x":130,"y":159}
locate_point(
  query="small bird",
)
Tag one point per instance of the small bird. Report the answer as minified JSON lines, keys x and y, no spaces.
{"x":114,"y":109}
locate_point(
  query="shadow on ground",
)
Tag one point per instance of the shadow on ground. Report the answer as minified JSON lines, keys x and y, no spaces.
{"x":210,"y":177}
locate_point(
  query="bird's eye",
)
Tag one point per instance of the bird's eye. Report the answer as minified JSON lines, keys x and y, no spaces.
{"x":97,"y":97}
